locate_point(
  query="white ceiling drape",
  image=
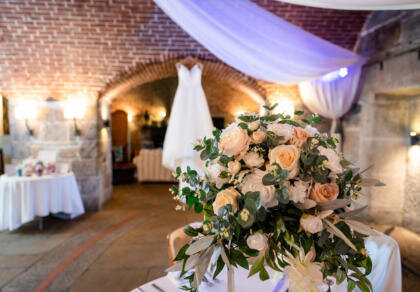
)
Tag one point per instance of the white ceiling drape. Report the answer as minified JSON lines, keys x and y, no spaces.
{"x":257,"y":42}
{"x":359,"y":4}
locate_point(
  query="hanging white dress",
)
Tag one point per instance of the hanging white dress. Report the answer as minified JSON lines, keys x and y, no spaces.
{"x":190,"y":119}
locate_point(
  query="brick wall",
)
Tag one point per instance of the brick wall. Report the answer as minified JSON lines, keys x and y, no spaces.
{"x":53,"y":47}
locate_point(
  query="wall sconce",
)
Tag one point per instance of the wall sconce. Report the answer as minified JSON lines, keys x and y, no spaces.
{"x":414,"y":138}
{"x":26,"y":110}
{"x":75,"y":108}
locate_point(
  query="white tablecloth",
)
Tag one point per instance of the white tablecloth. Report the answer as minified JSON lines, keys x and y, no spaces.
{"x":150,"y":168}
{"x":23,"y":198}
{"x":385,"y":275}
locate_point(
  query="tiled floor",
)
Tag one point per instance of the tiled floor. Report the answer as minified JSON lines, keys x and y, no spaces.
{"x":124,"y":257}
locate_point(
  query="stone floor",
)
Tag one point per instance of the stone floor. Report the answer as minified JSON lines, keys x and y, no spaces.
{"x":120,"y":247}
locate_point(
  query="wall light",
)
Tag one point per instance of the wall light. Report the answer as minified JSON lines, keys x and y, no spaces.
{"x":130,"y":117}
{"x":162,"y":114}
{"x":75,"y":108}
{"x":26,"y":110}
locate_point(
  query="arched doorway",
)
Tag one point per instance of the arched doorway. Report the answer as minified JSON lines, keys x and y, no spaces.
{"x":120,"y":136}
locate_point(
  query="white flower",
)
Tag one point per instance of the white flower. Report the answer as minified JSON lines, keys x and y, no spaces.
{"x":298,"y":192}
{"x":213,"y":171}
{"x":253,"y":159}
{"x":253,"y":183}
{"x":333,"y":159}
{"x":311,"y":224}
{"x":311,"y":130}
{"x":257,"y":241}
{"x":282,"y":130}
{"x":234,"y":140}
{"x":303,"y":273}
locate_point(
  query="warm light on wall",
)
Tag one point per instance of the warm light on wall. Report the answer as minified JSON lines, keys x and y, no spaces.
{"x":162,"y":113}
{"x":130,"y":117}
{"x":75,"y":108}
{"x":26,"y":110}
{"x":285,"y":107}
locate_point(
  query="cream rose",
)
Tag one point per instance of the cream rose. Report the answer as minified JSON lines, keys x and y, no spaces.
{"x":213,"y":171}
{"x":300,"y":136}
{"x":324,"y":192}
{"x":333,"y":159}
{"x":234,"y":140}
{"x":287,"y":156}
{"x":253,"y":159}
{"x":254,"y":125}
{"x":258,"y":137}
{"x":311,"y":224}
{"x":253,"y":183}
{"x":283,"y":130}
{"x":257,"y":241}
{"x":311,"y":130}
{"x":226,"y":197}
{"x":234,"y":166}
{"x":298,"y":192}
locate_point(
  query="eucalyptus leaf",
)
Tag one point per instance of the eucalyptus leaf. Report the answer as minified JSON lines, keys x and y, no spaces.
{"x":256,"y":267}
{"x":200,"y":244}
{"x":333,"y":204}
{"x":367,"y":182}
{"x":360,"y":227}
{"x":337,"y":232}
{"x":352,"y":212}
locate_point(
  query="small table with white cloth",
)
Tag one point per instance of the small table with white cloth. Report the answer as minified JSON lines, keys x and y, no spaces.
{"x":385,"y":275}
{"x":23,"y":198}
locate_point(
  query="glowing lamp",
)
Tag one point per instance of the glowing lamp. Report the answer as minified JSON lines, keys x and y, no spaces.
{"x":75,"y":108}
{"x":26,"y":110}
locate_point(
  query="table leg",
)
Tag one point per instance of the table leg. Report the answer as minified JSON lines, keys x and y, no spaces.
{"x":41,"y":223}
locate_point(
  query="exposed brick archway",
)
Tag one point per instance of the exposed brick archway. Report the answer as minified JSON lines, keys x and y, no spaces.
{"x":155,"y":70}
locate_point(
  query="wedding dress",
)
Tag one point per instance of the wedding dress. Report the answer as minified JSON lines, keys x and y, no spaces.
{"x":190,"y":120}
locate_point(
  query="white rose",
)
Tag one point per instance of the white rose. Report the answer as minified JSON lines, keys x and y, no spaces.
{"x":298,"y":192}
{"x":253,"y":183}
{"x":287,"y":156}
{"x":311,"y":224}
{"x":333,"y":159}
{"x":257,"y":241}
{"x":283,"y":130}
{"x":253,"y":159}
{"x":213,"y":171}
{"x":311,"y":130}
{"x":258,"y":137}
{"x":254,"y":125}
{"x":234,"y":140}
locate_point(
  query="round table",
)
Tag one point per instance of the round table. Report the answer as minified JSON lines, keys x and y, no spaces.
{"x":385,"y":275}
{"x":23,"y":198}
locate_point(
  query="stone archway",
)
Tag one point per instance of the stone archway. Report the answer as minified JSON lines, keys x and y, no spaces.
{"x":154,"y":70}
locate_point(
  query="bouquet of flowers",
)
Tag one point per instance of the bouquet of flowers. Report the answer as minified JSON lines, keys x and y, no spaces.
{"x":275,"y":192}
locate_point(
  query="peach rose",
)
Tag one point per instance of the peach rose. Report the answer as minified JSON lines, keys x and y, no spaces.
{"x":299,"y":136}
{"x":225,"y":197}
{"x":258,"y":137}
{"x":254,"y":125}
{"x":324,"y":192}
{"x":234,"y":166}
{"x":287,"y":156}
{"x":234,"y":140}
{"x":283,"y":130}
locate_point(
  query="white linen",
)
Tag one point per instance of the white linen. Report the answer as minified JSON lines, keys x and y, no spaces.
{"x":149,"y":167}
{"x":333,"y":94}
{"x":359,"y":4}
{"x":385,"y":275}
{"x":257,"y":42}
{"x":190,"y":120}
{"x":23,"y":198}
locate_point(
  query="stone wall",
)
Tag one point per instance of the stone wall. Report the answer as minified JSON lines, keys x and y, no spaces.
{"x":377,"y":131}
{"x":51,"y":131}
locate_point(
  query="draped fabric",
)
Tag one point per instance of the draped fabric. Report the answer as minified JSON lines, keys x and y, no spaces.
{"x":332,"y":95}
{"x":190,"y":120}
{"x":359,"y":4}
{"x":257,"y":42}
